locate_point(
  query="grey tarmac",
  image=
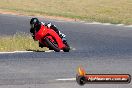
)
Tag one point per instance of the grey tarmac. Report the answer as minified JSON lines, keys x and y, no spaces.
{"x":98,"y":48}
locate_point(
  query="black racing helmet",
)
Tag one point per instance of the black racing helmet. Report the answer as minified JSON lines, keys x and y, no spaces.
{"x":34,"y":22}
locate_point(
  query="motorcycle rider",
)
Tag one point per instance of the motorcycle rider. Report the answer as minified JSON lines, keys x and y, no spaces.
{"x":36,"y":24}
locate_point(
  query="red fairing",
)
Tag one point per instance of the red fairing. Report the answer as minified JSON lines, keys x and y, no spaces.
{"x":46,"y":32}
{"x":41,"y":33}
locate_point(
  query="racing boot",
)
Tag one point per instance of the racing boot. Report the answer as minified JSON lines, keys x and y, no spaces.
{"x":41,"y":45}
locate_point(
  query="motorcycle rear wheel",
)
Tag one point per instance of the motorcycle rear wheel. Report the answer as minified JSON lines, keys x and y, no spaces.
{"x":67,"y":48}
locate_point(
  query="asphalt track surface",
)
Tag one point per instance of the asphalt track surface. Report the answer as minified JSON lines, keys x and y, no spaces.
{"x":98,"y":48}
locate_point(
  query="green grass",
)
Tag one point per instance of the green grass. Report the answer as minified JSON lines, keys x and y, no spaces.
{"x":19,"y":41}
{"x":112,"y":11}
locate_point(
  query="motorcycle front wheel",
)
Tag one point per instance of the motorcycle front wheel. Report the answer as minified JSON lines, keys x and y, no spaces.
{"x":52,"y":45}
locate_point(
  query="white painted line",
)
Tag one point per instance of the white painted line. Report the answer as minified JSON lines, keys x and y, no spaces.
{"x":93,"y":23}
{"x":66,"y":79}
{"x":15,"y":52}
{"x":120,"y":25}
{"x":22,"y":52}
{"x":73,"y":48}
{"x":6,"y":52}
{"x":29,"y":51}
{"x":79,"y":21}
{"x":107,"y":24}
{"x":129,"y":26}
{"x":85,"y":22}
{"x":49,"y":51}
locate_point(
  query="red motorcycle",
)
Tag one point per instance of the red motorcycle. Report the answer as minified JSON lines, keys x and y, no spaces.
{"x":51,"y":39}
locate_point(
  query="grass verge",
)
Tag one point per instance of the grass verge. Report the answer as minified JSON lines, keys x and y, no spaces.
{"x":111,"y":11}
{"x":19,"y":42}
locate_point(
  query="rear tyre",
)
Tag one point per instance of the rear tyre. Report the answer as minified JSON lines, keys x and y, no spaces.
{"x":67,"y":48}
{"x":52,"y":45}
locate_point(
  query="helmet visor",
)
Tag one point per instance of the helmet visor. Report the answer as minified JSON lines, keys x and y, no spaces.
{"x":32,"y":25}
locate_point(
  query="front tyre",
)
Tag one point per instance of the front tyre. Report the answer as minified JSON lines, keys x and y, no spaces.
{"x":52,"y":45}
